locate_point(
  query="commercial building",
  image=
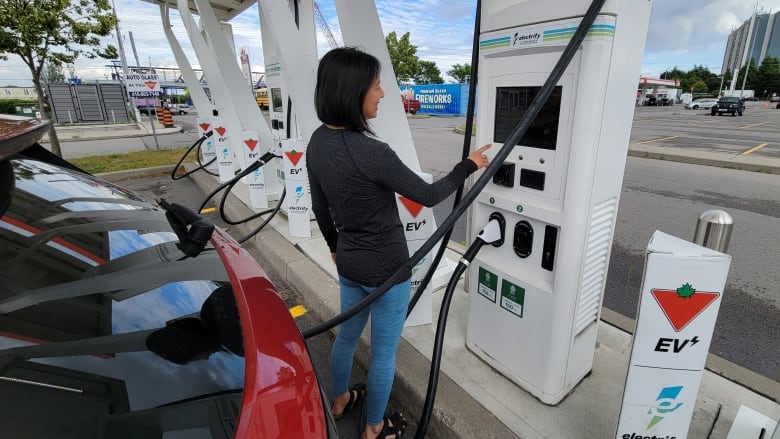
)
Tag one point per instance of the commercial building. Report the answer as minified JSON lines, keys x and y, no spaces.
{"x":757,"y":38}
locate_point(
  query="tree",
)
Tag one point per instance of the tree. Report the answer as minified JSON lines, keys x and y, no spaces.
{"x":403,"y":56}
{"x":429,"y":73}
{"x":752,"y":76}
{"x":58,"y":31}
{"x":461,"y":73}
{"x":769,"y":76}
{"x":54,"y":73}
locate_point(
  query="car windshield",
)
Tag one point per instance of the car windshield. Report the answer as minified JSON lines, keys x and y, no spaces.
{"x":86,"y":263}
{"x":730,"y":99}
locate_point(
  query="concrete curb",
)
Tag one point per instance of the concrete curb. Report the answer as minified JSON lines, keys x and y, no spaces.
{"x":708,"y":158}
{"x":129,"y":174}
{"x":456,"y":414}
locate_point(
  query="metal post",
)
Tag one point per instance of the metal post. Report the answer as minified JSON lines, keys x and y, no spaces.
{"x":113,"y":116}
{"x":70,"y":118}
{"x":713,"y":230}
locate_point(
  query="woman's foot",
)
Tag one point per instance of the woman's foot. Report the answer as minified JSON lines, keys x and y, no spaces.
{"x":348,"y":400}
{"x":392,"y":427}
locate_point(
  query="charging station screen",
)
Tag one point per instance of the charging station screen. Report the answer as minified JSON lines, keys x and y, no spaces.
{"x":511,"y":105}
{"x":276,"y":99}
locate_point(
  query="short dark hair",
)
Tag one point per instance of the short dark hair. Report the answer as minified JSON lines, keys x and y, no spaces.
{"x":182,"y":340}
{"x":344,"y":76}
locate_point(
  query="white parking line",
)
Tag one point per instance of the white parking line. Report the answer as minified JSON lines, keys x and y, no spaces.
{"x":657,"y":140}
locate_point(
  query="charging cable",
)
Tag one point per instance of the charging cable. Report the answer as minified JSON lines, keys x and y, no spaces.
{"x":200,"y":166}
{"x":492,"y":233}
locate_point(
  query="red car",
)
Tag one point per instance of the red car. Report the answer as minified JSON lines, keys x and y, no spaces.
{"x":89,"y":271}
{"x":411,"y":105}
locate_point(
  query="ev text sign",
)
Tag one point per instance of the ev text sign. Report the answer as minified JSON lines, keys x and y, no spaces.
{"x":143,"y":85}
{"x":681,"y":294}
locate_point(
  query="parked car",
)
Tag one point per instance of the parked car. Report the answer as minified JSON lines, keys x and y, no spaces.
{"x":703,"y":103}
{"x":411,"y":105}
{"x":90,"y":272}
{"x":147,"y":109}
{"x":728,"y":104}
{"x":179,"y":108}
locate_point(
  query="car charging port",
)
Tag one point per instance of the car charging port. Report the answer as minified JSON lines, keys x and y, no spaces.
{"x":524,"y":239}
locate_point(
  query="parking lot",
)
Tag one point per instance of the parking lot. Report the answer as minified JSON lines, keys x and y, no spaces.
{"x":755,"y":133}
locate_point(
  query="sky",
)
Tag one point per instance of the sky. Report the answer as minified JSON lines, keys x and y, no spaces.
{"x":682,"y":34}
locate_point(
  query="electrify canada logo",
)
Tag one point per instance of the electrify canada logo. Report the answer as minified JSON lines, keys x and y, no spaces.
{"x":520,"y":39}
{"x":665,"y":404}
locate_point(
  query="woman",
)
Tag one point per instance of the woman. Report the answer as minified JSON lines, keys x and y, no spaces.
{"x":354,"y":178}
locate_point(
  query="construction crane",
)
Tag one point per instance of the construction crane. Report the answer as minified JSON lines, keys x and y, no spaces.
{"x":324,"y":27}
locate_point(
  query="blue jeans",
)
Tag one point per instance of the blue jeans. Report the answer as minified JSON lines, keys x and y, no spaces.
{"x":388,"y":314}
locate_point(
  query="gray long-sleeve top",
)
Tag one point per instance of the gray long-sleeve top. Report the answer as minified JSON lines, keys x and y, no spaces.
{"x":354,"y":179}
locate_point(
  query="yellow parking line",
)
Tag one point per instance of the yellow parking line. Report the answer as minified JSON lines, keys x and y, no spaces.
{"x":657,"y":140}
{"x":753,"y":125}
{"x":754,"y":149}
{"x":209,"y":210}
{"x":297,"y":311}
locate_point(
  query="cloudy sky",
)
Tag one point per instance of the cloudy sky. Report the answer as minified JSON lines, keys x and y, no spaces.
{"x":682,"y":33}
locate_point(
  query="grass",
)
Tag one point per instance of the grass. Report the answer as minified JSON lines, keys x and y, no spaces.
{"x":132,"y":160}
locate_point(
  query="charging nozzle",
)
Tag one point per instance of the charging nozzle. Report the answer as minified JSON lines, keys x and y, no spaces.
{"x":493,"y":233}
{"x":274,"y":152}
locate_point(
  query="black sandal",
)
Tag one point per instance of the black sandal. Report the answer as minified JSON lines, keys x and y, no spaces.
{"x":393,"y":425}
{"x":356,"y":395}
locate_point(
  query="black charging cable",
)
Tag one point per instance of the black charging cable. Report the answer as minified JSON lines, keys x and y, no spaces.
{"x":493,"y":234}
{"x":465,"y":153}
{"x":200,"y":166}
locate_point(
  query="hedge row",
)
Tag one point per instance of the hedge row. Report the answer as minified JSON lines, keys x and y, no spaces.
{"x":8,"y":106}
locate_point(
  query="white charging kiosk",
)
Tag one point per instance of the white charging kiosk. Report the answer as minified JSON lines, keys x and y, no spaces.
{"x":534,"y":302}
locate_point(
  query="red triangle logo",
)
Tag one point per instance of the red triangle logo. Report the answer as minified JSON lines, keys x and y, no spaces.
{"x":294,"y":156}
{"x":221,"y":131}
{"x":205,"y":126}
{"x":680,"y":311}
{"x":250,"y":143}
{"x":150,"y":84}
{"x":412,"y":206}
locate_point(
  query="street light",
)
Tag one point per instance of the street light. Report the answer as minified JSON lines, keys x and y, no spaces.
{"x":750,"y":54}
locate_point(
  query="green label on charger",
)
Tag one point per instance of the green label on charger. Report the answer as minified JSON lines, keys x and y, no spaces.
{"x":487,"y":285}
{"x":512,"y":297}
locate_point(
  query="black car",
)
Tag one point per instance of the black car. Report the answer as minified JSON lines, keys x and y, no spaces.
{"x":728,"y":104}
{"x":147,"y":109}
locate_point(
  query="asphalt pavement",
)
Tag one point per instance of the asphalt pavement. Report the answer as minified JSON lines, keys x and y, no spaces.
{"x":473,"y":400}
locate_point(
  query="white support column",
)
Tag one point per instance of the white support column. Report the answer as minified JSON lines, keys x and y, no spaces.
{"x":360,"y":27}
{"x":248,"y":113}
{"x":217,"y":84}
{"x":198,"y":95}
{"x":298,"y":60}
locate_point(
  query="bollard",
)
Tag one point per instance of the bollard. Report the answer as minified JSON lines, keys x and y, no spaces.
{"x":70,"y":118}
{"x":113,"y":116}
{"x":713,"y":230}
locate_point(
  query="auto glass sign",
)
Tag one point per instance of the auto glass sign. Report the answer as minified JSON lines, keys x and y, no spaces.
{"x":143,"y":85}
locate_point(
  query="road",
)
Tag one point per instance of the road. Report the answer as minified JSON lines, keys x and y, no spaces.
{"x":666,"y":196}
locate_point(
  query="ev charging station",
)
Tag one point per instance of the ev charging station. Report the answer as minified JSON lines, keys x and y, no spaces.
{"x":534,"y":302}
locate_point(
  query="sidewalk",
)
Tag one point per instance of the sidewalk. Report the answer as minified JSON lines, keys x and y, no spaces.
{"x":473,"y":400}
{"x":103,"y":131}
